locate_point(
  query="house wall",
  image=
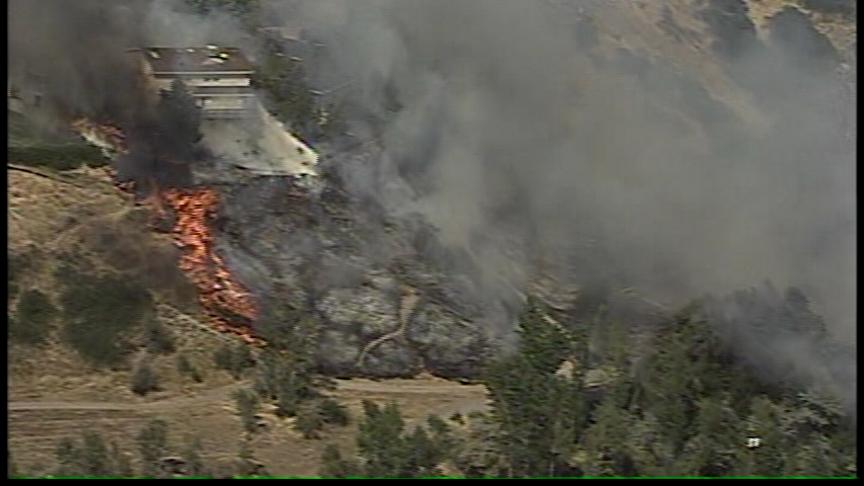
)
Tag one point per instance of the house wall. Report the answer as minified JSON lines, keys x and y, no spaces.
{"x":165,"y":83}
{"x":224,"y":103}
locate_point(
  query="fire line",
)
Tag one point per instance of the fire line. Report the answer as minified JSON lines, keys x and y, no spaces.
{"x":224,"y":300}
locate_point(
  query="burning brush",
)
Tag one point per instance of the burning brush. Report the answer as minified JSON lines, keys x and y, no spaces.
{"x":223,"y":299}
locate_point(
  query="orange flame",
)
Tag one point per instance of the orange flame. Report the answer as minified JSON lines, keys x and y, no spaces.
{"x":219,"y":293}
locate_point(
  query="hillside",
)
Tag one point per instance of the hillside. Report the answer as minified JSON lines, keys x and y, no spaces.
{"x":607,"y":239}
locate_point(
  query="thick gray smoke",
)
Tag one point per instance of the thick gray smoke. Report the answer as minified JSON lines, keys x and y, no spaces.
{"x":77,"y":55}
{"x":533,"y":135}
{"x":527,"y":135}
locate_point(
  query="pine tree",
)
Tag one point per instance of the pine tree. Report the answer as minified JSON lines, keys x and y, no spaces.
{"x":309,"y":421}
{"x":333,"y":465}
{"x":606,"y":441}
{"x":423,"y":455}
{"x":379,"y":440}
{"x":544,"y":343}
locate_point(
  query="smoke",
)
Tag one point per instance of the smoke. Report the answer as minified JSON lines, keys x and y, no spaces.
{"x":550,"y":135}
{"x":76,"y":54}
{"x":529,"y":132}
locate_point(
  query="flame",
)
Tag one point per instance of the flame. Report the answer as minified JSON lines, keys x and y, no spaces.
{"x":218,"y":292}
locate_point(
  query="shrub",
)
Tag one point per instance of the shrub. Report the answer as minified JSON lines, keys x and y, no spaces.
{"x":57,"y":156}
{"x":152,"y":444}
{"x":186,"y":368}
{"x":234,"y":359}
{"x":33,"y":316}
{"x":160,"y":340}
{"x":144,"y":379}
{"x":247,"y":406}
{"x":334,"y":413}
{"x":309,"y":421}
{"x":100,"y":312}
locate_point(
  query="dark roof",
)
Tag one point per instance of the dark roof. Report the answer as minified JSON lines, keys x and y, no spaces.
{"x":195,"y":59}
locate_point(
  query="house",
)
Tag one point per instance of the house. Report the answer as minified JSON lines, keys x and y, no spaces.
{"x":219,"y":78}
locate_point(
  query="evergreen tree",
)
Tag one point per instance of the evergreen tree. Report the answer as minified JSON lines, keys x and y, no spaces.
{"x":379,"y":440}
{"x":606,"y":441}
{"x":333,"y":465}
{"x":309,"y":421}
{"x":543,"y":341}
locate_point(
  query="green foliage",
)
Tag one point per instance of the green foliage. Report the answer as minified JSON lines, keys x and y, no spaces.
{"x":34,"y":314}
{"x":100,"y":312}
{"x":309,"y":421}
{"x":544,"y":343}
{"x":144,"y":378}
{"x":152,"y":443}
{"x":160,"y":340}
{"x":379,"y":439}
{"x":290,"y":98}
{"x":186,"y":368}
{"x":58,"y":157}
{"x":689,"y":407}
{"x":332,"y":412}
{"x":247,"y":407}
{"x":90,"y":457}
{"x":385,"y":450}
{"x":312,"y":416}
{"x":333,"y":465}
{"x":235,"y":359}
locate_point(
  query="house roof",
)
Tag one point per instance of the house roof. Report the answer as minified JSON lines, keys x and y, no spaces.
{"x":210,"y":59}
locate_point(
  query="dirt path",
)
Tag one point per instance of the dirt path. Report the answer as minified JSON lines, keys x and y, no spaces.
{"x":36,"y":426}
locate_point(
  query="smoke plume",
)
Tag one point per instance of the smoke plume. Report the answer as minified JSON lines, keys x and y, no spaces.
{"x":549,"y":134}
{"x":529,"y":133}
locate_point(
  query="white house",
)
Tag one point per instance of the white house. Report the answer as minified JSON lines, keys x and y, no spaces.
{"x":219,"y":78}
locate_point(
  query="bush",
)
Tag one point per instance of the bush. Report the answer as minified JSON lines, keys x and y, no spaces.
{"x":160,"y":340}
{"x":334,"y":413}
{"x":152,"y":444}
{"x":247,"y":406}
{"x":33,"y":316}
{"x":186,"y":368}
{"x":57,"y":156}
{"x":309,"y":421}
{"x":144,"y":379}
{"x":234,"y":359}
{"x":100,"y":312}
